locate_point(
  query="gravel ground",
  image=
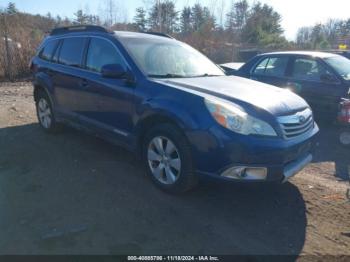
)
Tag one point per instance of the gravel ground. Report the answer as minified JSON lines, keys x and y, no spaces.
{"x":75,"y":194}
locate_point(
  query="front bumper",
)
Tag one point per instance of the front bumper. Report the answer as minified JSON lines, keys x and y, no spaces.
{"x":219,"y":150}
{"x":295,"y":167}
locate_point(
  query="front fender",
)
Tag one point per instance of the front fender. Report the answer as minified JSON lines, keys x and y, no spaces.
{"x":167,"y":109}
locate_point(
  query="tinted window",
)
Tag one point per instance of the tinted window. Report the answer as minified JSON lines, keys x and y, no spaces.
{"x":102,"y":52}
{"x":55,"y":56}
{"x":72,"y":51}
{"x":48,"y":50}
{"x":308,"y":69}
{"x":260,"y":69}
{"x":273,"y":66}
{"x":341,"y":65}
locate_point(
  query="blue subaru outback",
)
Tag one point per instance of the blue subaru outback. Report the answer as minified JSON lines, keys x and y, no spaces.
{"x":170,"y":104}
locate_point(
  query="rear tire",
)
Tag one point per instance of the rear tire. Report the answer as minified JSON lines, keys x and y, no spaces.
{"x":45,"y":113}
{"x":167,"y":157}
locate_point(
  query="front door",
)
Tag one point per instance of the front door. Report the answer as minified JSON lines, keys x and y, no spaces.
{"x":106,"y":103}
{"x":317,"y":85}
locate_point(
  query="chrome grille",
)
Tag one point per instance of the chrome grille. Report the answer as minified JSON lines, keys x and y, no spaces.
{"x":297,"y":124}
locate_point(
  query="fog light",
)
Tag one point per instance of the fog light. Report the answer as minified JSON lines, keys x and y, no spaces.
{"x":234,"y":172}
{"x":256,"y":173}
{"x":246,"y":173}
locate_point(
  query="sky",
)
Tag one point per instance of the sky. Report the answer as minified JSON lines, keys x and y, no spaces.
{"x":295,"y":13}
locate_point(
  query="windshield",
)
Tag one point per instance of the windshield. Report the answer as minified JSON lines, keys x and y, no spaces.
{"x":341,"y":65}
{"x":169,"y":58}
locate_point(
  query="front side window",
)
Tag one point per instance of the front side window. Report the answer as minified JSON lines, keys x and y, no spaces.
{"x":72,"y":51}
{"x":169,"y":58}
{"x":101,"y":53}
{"x":273,"y":66}
{"x":47,"y":51}
{"x":308,"y":69}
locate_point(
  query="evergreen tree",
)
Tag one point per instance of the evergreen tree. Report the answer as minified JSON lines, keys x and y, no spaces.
{"x":163,"y":17}
{"x":140,"y":19}
{"x":197,"y":16}
{"x":80,"y":17}
{"x":11,"y":8}
{"x":186,"y":20}
{"x":263,"y":27}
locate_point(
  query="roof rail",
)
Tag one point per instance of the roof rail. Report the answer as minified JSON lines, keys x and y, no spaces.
{"x":159,"y":34}
{"x":79,"y":28}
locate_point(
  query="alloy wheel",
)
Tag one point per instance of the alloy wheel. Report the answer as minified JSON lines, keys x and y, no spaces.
{"x":164,"y":160}
{"x":44,"y":113}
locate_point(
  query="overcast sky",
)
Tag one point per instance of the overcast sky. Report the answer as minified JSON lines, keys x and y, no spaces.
{"x":295,"y":13}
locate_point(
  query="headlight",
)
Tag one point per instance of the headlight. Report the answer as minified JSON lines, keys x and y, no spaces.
{"x":233,"y":118}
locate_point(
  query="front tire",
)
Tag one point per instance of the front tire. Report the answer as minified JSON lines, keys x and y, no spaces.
{"x":44,"y":112}
{"x":167,"y":157}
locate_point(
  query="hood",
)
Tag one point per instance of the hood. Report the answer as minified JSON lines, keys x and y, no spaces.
{"x":275,"y":100}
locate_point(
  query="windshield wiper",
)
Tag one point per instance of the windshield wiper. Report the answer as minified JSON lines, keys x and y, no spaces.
{"x":205,"y":75}
{"x":168,"y":76}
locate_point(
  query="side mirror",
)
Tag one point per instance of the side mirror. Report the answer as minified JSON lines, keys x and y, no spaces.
{"x":328,"y":78}
{"x":113,"y":71}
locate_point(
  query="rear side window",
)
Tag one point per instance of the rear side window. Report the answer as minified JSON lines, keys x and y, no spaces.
{"x":272,"y":66}
{"x":47,"y":52}
{"x":102,"y":52}
{"x":72,"y":50}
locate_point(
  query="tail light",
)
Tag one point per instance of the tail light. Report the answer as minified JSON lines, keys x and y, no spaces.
{"x":344,"y":113}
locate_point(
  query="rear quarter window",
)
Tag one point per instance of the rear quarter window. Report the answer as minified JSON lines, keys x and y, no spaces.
{"x":47,"y":52}
{"x":72,"y":50}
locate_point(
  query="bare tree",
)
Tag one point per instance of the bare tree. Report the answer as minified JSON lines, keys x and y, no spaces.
{"x":221,"y":12}
{"x":4,"y":36}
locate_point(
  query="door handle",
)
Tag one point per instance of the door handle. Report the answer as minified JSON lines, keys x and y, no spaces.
{"x":50,"y":72}
{"x":83,"y":83}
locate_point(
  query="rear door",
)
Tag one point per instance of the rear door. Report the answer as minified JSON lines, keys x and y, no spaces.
{"x":68,"y":75}
{"x":271,"y":70}
{"x":307,"y":80}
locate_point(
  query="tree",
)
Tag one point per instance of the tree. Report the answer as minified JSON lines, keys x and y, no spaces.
{"x":263,"y":27}
{"x":163,"y":17}
{"x":303,"y":38}
{"x":11,"y":8}
{"x":140,"y":19}
{"x":4,"y":36}
{"x":58,"y":21}
{"x":237,"y":16}
{"x":186,"y":20}
{"x":93,"y":20}
{"x":111,"y":12}
{"x":80,"y":17}
{"x":197,"y":17}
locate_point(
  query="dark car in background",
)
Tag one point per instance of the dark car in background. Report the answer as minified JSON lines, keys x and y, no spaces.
{"x":322,"y":79}
{"x":166,"y":101}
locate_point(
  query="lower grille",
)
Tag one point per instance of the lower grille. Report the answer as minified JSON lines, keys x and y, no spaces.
{"x":297,"y":124}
